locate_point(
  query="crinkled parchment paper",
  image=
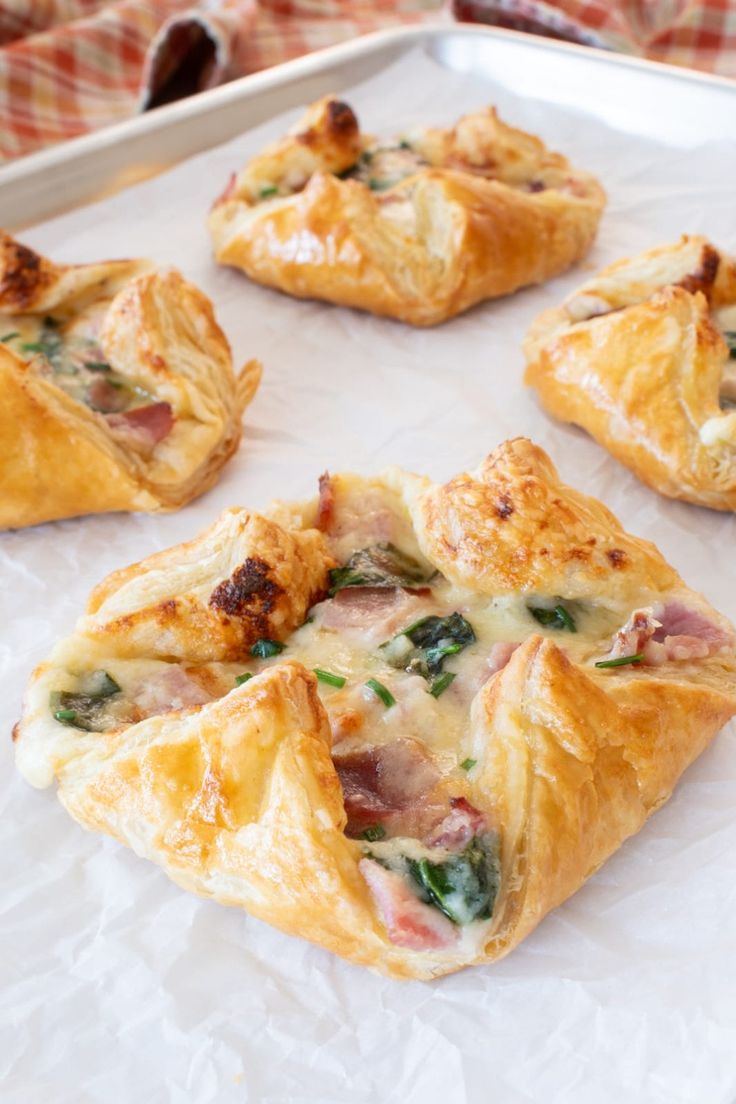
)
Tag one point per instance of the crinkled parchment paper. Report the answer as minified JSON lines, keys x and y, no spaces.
{"x":115,"y":985}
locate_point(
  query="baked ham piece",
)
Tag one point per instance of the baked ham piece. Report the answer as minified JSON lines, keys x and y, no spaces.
{"x":476,"y":674}
{"x":670,"y":631}
{"x":459,"y":827}
{"x":373,"y":614}
{"x":359,"y":518}
{"x":409,"y":922}
{"x":143,"y":428}
{"x":394,"y":785}
{"x":167,"y":689}
{"x":104,"y":397}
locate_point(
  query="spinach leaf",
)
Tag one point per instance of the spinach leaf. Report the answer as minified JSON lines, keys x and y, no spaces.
{"x":433,"y":638}
{"x":463,"y":886}
{"x":555,"y":618}
{"x":49,"y":344}
{"x":380,"y":565}
{"x":85,"y":708}
{"x":265,"y":648}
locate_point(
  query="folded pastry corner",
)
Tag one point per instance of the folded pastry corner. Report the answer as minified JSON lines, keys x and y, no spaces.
{"x":118,"y":388}
{"x":643,"y":357}
{"x":401,"y":720}
{"x":419,"y":227}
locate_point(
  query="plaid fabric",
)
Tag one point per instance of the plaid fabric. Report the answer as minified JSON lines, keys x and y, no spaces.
{"x":87,"y":63}
{"x":286,"y":29}
{"x":70,"y":66}
{"x":700,"y":34}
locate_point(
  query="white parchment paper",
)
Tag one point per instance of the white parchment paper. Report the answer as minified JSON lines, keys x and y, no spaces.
{"x":115,"y":985}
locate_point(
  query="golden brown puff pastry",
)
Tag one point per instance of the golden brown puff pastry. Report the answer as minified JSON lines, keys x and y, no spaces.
{"x":118,"y":388}
{"x":418,"y":228}
{"x":642,"y":357}
{"x":403,"y":720}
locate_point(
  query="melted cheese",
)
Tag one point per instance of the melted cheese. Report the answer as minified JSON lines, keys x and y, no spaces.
{"x":62,"y":350}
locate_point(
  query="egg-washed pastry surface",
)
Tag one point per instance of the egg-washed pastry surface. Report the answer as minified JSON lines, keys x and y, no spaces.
{"x":643,"y":357}
{"x":403,"y":720}
{"x":118,"y":388}
{"x":418,"y":227}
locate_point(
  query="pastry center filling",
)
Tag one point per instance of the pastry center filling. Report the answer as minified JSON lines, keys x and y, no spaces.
{"x":381,"y":166}
{"x":69,"y":355}
{"x":725,"y":319}
{"x":400,"y":653}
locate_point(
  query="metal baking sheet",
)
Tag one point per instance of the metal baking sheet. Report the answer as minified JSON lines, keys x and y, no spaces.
{"x":117,"y":986}
{"x":661,"y":102}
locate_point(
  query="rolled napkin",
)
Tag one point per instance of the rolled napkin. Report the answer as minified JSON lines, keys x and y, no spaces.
{"x":71,"y":66}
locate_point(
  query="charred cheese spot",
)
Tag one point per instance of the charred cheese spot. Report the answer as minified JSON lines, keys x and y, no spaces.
{"x":616,"y":557}
{"x":504,"y":506}
{"x":704,"y":277}
{"x":23,"y":275}
{"x":249,"y":593}
{"x":341,"y":119}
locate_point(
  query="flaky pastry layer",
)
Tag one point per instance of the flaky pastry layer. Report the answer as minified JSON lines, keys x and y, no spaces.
{"x":259,"y":764}
{"x":78,"y":343}
{"x":642,"y":357}
{"x":419,"y":231}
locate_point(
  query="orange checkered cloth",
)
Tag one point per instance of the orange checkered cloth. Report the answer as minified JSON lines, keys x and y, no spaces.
{"x":71,"y":66}
{"x":700,"y":34}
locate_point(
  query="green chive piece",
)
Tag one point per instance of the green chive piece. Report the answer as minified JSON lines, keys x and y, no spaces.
{"x":329,"y":678}
{"x":10,"y":336}
{"x":730,"y":338}
{"x":33,"y":347}
{"x":240,"y":679}
{"x":566,"y":619}
{"x":65,"y":716}
{"x":440,"y":684}
{"x":377,"y":185}
{"x":381,"y":692}
{"x":307,"y":621}
{"x":621,"y":661}
{"x":265,"y":193}
{"x":264,"y":649}
{"x":373,"y":833}
{"x":98,"y":366}
{"x":468,"y":764}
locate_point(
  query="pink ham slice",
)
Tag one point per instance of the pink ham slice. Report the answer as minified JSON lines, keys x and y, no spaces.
{"x":143,"y":428}
{"x":459,"y":827}
{"x":392,"y":785}
{"x":103,"y":397}
{"x":167,"y":689}
{"x":468,"y":683}
{"x":410,"y":922}
{"x":373,"y":613}
{"x":672,"y":631}
{"x":499,"y":655}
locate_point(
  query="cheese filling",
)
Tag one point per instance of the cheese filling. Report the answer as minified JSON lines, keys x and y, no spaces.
{"x":400,"y":653}
{"x":381,"y":166}
{"x":67,"y":353}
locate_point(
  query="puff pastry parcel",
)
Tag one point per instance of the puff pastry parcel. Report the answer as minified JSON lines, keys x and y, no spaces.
{"x":643,"y":357}
{"x":403,"y":720}
{"x":418,"y":227}
{"x":118,"y":391}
